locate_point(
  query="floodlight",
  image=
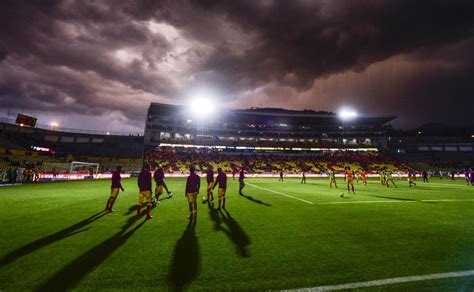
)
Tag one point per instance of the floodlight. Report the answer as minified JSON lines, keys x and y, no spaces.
{"x":201,"y":105}
{"x":347,"y":114}
{"x":54,"y":124}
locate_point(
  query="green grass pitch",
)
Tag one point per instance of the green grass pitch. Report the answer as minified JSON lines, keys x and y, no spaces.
{"x":54,"y":237}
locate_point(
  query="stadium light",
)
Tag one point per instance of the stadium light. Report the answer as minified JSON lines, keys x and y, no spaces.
{"x":54,"y":124}
{"x":202,"y":105}
{"x":347,"y":114}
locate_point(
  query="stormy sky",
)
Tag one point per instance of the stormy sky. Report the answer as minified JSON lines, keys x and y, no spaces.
{"x":98,"y":64}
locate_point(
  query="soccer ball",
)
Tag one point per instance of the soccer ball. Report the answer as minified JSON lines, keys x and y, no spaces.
{"x":204,"y":200}
{"x":341,"y":195}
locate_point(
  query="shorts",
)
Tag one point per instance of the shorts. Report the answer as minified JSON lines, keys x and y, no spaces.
{"x":350,"y":181}
{"x":222,"y":193}
{"x":209,"y":186}
{"x":144,"y":194}
{"x":114,"y":192}
{"x":192,"y":197}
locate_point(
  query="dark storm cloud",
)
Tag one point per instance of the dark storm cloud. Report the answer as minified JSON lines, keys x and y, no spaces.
{"x":317,"y":38}
{"x":96,"y":57}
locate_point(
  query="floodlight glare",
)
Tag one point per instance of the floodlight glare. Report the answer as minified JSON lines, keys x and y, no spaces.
{"x":202,"y":106}
{"x":346,"y":114}
{"x":54,"y":124}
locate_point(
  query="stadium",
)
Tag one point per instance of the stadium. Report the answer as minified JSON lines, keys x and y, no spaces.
{"x":263,"y":145}
{"x":276,"y":223}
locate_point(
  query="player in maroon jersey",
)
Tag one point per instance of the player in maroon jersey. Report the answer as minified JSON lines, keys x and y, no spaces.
{"x":144,"y":186}
{"x":241,"y":180}
{"x":221,"y":180}
{"x":114,"y":190}
{"x":159,"y":177}
{"x":193,"y":183}
{"x":210,"y":182}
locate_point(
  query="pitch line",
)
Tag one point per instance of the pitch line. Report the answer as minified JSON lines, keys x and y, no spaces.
{"x":365,"y":202}
{"x":265,"y":189}
{"x":395,"y":201}
{"x":441,"y":185}
{"x":390,"y":281}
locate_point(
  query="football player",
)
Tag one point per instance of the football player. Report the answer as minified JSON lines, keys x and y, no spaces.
{"x":159,"y":177}
{"x":221,"y":180}
{"x":363,"y":177}
{"x":389,"y":179}
{"x":332,"y":178}
{"x":410,"y":178}
{"x":349,"y":177}
{"x":241,"y":180}
{"x":193,"y":183}
{"x":114,"y":190}
{"x":210,"y":182}
{"x":144,"y":186}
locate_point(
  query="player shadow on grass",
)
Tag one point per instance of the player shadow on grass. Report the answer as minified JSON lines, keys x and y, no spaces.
{"x":185,"y":266}
{"x":233,"y":231}
{"x":133,"y":208}
{"x":69,"y":276}
{"x":250,"y":198}
{"x":400,"y":199}
{"x":42,"y":242}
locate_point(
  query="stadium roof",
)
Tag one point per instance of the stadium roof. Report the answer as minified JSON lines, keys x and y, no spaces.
{"x":255,"y":114}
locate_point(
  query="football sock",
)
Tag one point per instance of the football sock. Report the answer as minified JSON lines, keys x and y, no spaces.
{"x":148,"y":211}
{"x":139,"y":208}
{"x":111,"y":204}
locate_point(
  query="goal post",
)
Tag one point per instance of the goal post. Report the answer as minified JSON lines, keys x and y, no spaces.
{"x":74,"y":167}
{"x":84,"y":167}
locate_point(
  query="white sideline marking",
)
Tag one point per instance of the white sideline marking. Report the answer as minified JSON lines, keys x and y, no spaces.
{"x":439,"y":185}
{"x":395,"y":201}
{"x":366,"y":202}
{"x":388,"y":200}
{"x":390,"y":281}
{"x":265,"y":189}
{"x":448,"y":200}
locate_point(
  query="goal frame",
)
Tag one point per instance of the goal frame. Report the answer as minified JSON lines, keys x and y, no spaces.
{"x":73,"y":163}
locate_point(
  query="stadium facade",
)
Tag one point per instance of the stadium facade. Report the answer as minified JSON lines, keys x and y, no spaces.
{"x":262,"y":129}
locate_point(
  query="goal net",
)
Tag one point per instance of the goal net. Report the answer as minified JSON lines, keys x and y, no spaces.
{"x":84,"y":168}
{"x":75,"y":167}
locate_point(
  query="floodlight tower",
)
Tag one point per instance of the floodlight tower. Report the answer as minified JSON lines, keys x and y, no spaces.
{"x":201,"y":107}
{"x":346,"y":115}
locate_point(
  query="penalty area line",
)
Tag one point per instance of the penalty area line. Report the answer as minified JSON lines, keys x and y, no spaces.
{"x":265,"y":189}
{"x":390,"y":281}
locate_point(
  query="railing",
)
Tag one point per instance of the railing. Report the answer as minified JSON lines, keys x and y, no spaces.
{"x":10,"y":121}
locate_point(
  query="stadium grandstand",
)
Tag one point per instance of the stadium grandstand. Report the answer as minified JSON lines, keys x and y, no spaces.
{"x":48,"y":149}
{"x":264,"y":141}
